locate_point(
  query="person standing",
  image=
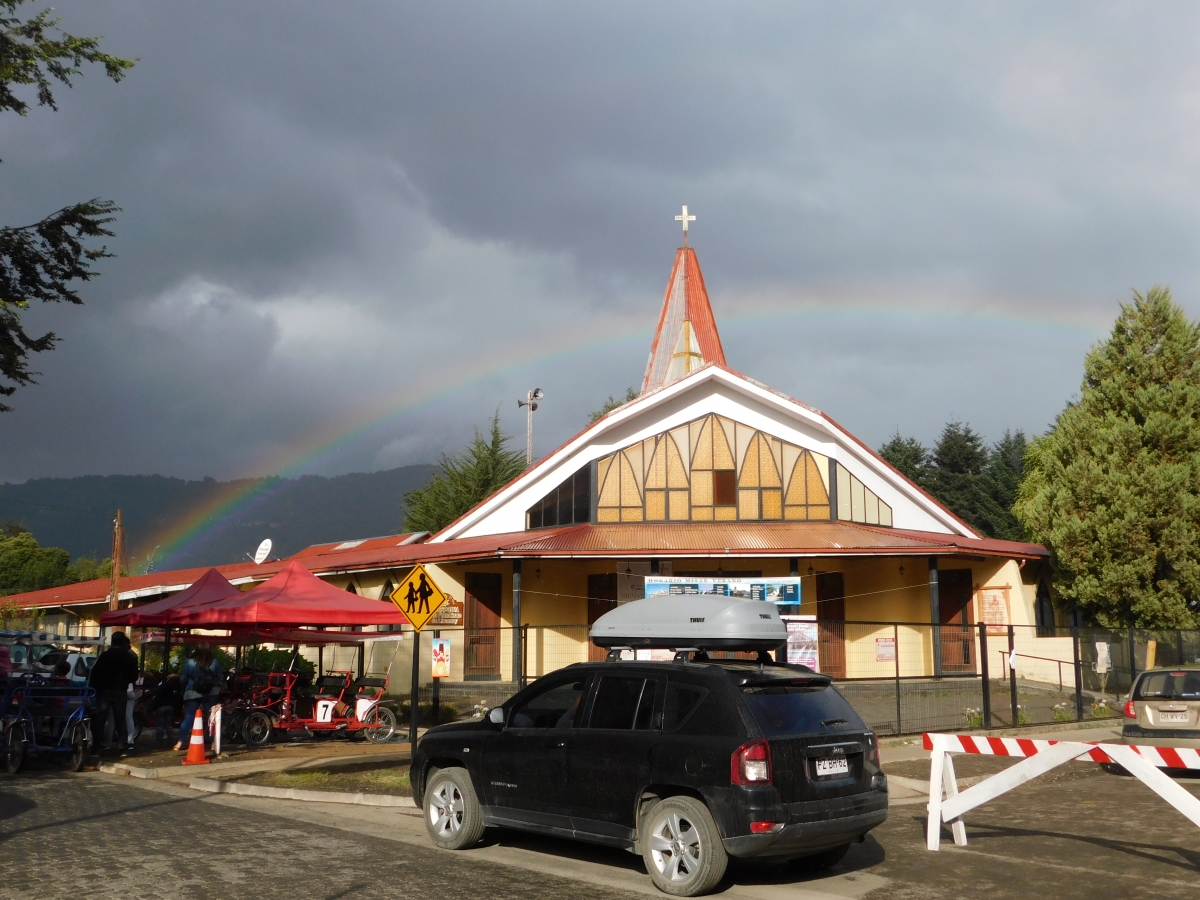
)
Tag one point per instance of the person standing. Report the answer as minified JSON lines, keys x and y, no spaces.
{"x":201,"y":683}
{"x":114,"y":671}
{"x":166,"y":700}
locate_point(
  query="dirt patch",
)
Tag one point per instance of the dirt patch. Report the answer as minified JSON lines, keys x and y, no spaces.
{"x":369,"y":779}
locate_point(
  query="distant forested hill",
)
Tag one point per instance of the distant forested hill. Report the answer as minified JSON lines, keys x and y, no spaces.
{"x":76,"y":513}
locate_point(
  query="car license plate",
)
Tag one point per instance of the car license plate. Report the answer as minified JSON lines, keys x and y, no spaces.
{"x":1173,"y":717}
{"x":827,"y":768}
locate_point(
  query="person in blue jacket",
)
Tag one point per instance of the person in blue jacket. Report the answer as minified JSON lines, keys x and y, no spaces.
{"x":201,"y":683}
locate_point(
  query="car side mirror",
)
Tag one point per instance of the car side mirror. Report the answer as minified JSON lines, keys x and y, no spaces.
{"x":496,"y":716}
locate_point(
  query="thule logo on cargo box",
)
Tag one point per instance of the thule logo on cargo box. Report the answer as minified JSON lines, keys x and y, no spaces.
{"x":697,"y":618}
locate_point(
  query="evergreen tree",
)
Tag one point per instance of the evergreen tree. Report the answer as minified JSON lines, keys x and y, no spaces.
{"x":997,"y":488}
{"x":956,"y":467}
{"x":909,"y":456}
{"x":612,"y":403}
{"x":1114,"y":489}
{"x":462,"y":481}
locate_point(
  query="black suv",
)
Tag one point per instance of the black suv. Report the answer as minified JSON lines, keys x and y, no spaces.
{"x":684,"y":762}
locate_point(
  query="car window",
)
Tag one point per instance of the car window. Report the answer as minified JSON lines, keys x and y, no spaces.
{"x":680,"y":702}
{"x":553,"y":707}
{"x":623,"y":702}
{"x":16,"y":653}
{"x":52,"y":659}
{"x":82,"y":664}
{"x":798,"y":709}
{"x":1168,"y":686}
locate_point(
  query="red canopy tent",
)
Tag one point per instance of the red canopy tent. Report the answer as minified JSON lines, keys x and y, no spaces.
{"x":211,"y":587}
{"x":293,"y":597}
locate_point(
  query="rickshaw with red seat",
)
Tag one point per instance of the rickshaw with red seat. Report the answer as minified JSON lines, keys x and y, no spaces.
{"x":338,"y":703}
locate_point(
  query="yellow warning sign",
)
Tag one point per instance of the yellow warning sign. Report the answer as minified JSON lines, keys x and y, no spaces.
{"x":418,"y":597}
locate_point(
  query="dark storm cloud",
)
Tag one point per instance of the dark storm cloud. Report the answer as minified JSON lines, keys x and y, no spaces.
{"x":336,"y":211}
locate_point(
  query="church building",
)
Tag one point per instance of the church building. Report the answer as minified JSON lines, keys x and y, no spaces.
{"x":706,"y":473}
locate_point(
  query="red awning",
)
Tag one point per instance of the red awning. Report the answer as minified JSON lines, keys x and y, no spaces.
{"x":211,"y":587}
{"x":293,"y":597}
{"x":275,"y":634}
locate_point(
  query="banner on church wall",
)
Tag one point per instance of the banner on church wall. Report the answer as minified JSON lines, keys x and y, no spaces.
{"x":993,"y":609}
{"x":785,"y":590}
{"x":802,"y":642}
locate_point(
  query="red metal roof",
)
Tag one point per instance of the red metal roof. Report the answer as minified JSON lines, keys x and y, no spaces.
{"x":718,"y":539}
{"x":686,"y":300}
{"x":375,"y":543}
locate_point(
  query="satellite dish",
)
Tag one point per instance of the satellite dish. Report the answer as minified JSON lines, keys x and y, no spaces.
{"x":263,"y":551}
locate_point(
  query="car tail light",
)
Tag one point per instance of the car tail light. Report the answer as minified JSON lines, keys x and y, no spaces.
{"x":1130,"y":712}
{"x":873,"y":748}
{"x":751,"y":763}
{"x":765,"y":827}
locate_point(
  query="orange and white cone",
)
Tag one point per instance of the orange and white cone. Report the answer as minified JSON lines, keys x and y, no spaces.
{"x":195,"y":754}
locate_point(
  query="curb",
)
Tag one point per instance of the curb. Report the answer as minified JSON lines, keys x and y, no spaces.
{"x":249,"y":766}
{"x":215,"y":786}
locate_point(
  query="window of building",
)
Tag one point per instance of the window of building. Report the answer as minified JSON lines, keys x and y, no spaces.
{"x":716,"y":470}
{"x":568,"y":504}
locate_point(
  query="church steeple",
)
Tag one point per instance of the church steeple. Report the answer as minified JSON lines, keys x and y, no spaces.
{"x":687,"y":336}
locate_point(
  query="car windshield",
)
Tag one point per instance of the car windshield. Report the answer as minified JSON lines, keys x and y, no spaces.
{"x":1168,"y":686}
{"x":785,"y":709}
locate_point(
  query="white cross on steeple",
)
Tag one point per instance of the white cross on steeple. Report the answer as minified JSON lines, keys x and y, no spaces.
{"x":685,"y":218}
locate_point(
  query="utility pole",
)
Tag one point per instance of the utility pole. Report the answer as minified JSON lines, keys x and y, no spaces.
{"x":530,"y":404}
{"x":118,"y":547}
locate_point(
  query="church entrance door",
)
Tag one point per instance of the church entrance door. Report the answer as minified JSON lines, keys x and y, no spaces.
{"x":482,"y":662}
{"x":831,"y":624}
{"x":602,"y":596}
{"x":954,"y":607}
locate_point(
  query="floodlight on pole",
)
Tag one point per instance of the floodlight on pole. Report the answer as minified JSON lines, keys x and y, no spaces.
{"x":530,"y":404}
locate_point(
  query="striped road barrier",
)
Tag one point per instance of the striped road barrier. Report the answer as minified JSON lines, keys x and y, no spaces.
{"x":1038,"y":757}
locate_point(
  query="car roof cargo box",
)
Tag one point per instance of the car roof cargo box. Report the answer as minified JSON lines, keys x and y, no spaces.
{"x":688,"y":620}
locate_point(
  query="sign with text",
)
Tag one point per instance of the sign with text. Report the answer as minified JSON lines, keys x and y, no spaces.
{"x":885,"y":649}
{"x":451,"y":615}
{"x":441,"y":658}
{"x":785,"y":590}
{"x":418,"y":597}
{"x":993,"y":608}
{"x":802,"y":641}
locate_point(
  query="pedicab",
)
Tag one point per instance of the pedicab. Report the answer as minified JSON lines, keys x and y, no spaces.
{"x":339,"y":704}
{"x":39,"y":717}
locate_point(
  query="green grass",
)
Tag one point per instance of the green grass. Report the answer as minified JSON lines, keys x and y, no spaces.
{"x":370,"y":779}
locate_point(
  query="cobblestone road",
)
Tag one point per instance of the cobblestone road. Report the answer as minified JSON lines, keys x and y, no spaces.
{"x":73,"y":836}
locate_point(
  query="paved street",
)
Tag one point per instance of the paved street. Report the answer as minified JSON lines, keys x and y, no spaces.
{"x":1077,"y":834}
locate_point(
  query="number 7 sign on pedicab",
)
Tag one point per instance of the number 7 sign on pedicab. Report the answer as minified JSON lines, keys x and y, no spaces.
{"x":418,"y":597}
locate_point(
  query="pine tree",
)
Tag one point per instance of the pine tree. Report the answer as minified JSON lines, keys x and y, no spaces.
{"x":997,"y":488}
{"x":909,"y":456}
{"x":956,"y":466}
{"x":1114,"y":489}
{"x":462,"y":481}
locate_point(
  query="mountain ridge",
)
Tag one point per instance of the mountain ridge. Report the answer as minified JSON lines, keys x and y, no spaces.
{"x":76,"y":513}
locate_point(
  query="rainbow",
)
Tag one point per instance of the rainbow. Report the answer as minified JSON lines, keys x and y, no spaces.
{"x":207,"y":521}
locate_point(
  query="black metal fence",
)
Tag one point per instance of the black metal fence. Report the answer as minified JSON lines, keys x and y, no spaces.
{"x":903,"y":678}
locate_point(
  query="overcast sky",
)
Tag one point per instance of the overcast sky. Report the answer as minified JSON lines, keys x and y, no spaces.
{"x":351,"y":231}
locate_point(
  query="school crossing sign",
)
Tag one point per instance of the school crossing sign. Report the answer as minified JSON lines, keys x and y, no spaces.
{"x":418,"y":598}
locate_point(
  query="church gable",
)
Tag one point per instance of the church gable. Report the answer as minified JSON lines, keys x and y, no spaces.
{"x":712,"y":447}
{"x":714,"y":468}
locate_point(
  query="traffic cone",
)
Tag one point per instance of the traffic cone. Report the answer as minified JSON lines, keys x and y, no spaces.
{"x":195,"y":754}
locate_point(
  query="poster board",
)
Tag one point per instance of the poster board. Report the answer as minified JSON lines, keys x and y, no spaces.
{"x":802,"y":641}
{"x":440,"y":661}
{"x":992,"y":607}
{"x":784,"y":590}
{"x":885,"y":649}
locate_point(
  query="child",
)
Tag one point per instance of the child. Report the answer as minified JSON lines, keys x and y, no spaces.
{"x":166,"y":698}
